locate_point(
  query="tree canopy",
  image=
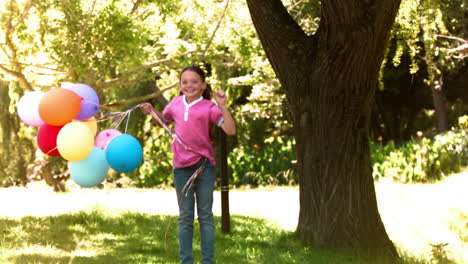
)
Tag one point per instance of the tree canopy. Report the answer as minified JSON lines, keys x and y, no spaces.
{"x":302,"y":106}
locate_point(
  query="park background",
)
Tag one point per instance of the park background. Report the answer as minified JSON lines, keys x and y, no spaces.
{"x":131,"y":52}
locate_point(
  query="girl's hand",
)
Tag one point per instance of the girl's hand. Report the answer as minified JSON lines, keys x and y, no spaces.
{"x":220,"y":97}
{"x":146,"y":108}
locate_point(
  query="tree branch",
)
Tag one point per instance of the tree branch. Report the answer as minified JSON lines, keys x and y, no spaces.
{"x":119,"y":82}
{"x":23,"y":16}
{"x":216,"y":29}
{"x":143,"y":98}
{"x":83,"y":28}
{"x":135,"y":7}
{"x":13,"y":57}
{"x":462,"y":50}
{"x":35,"y":66}
{"x":278,"y":31}
{"x":124,"y":77}
{"x":10,"y":72}
{"x":452,"y":37}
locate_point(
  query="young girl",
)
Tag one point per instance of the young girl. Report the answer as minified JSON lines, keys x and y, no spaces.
{"x":194,"y":114}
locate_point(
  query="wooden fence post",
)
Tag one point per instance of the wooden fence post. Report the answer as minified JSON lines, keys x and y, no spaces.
{"x":223,"y":154}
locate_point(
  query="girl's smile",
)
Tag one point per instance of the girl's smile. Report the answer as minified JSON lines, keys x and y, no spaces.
{"x":191,"y":85}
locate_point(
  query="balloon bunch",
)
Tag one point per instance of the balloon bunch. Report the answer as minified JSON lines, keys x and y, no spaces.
{"x":67,"y":128}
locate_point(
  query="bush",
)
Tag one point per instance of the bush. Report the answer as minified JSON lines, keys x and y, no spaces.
{"x":463,"y":122}
{"x":421,"y":160}
{"x":272,"y":163}
{"x":156,"y":169}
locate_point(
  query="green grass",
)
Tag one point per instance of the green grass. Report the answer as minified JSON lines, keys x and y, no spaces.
{"x":427,"y":222}
{"x":98,"y":237}
{"x":459,"y":225}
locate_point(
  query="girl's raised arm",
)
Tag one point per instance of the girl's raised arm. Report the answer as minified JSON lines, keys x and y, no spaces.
{"x":229,"y":126}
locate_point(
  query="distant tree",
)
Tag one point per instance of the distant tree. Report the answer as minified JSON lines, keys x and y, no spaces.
{"x":16,"y":148}
{"x":431,"y":33}
{"x":330,"y":78}
{"x":128,"y":52}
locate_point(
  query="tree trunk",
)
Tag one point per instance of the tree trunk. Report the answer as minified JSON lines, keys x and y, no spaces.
{"x":52,"y":178}
{"x":439,"y":102}
{"x":16,"y":149}
{"x":330,"y":80}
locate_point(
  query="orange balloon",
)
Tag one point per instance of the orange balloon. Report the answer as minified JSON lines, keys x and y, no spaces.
{"x":59,"y":106}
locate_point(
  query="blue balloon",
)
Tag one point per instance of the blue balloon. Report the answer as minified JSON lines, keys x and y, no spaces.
{"x":92,"y":170}
{"x":124,"y":153}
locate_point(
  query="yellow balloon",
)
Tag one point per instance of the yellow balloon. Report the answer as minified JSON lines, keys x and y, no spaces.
{"x":75,"y":141}
{"x":90,"y":123}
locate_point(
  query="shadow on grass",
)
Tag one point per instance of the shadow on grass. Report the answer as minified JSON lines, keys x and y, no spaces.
{"x":88,"y":237}
{"x":97,"y":237}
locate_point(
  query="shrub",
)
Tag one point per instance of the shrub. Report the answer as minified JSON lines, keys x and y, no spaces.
{"x":272,"y":163}
{"x":463,"y":122}
{"x":421,"y":160}
{"x":157,"y":165}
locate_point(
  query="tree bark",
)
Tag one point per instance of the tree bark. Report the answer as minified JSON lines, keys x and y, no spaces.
{"x":439,"y":102}
{"x":330,"y":80}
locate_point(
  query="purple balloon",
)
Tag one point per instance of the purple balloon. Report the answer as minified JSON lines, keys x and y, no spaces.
{"x":104,"y":137}
{"x":89,"y":102}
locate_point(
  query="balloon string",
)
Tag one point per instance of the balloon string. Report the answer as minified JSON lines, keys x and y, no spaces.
{"x":156,"y":117}
{"x":165,"y":236}
{"x":173,"y":134}
{"x":110,"y":115}
{"x":126,"y":124}
{"x":188,"y":185}
{"x":118,"y":121}
{"x":117,"y":116}
{"x":100,"y":105}
{"x":199,"y":171}
{"x":50,"y":151}
{"x":120,"y":115}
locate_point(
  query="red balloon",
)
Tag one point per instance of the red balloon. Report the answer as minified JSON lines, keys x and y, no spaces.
{"x":47,"y":139}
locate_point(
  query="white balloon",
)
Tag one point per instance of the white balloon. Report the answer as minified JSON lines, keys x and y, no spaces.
{"x":28,"y":108}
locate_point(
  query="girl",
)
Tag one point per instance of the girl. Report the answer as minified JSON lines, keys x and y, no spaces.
{"x":193,"y":114}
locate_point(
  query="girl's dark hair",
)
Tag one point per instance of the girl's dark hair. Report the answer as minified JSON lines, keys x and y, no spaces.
{"x":207,"y":92}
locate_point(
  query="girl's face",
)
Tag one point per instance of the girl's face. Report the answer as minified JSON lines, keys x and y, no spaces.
{"x":191,"y":85}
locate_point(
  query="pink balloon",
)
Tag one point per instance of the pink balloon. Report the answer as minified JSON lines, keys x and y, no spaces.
{"x":104,"y":137}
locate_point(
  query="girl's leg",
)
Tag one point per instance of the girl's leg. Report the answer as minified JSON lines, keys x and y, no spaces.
{"x":204,"y":195}
{"x":186,"y":214}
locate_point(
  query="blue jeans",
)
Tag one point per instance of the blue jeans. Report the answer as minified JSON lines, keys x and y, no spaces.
{"x":201,"y":192}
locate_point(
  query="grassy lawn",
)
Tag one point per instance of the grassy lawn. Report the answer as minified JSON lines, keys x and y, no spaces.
{"x":98,"y":237}
{"x":39,"y":226}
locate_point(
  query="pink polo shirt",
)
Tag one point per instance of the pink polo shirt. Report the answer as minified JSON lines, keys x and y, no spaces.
{"x":192,"y":126}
